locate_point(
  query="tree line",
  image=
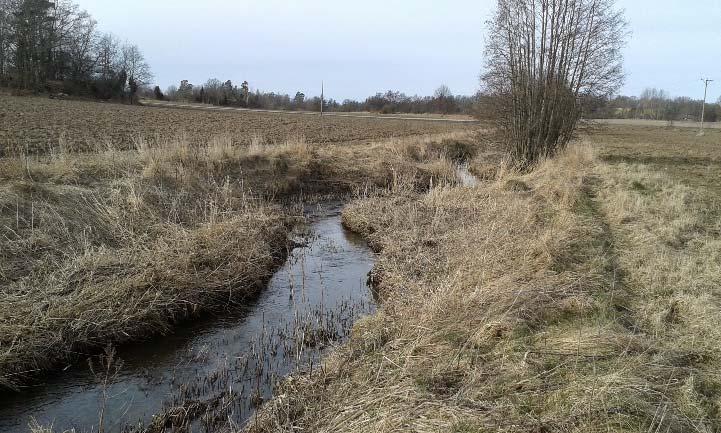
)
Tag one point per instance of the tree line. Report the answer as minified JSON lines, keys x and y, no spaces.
{"x":654,"y":104}
{"x":55,"y":47}
{"x":225,"y":93}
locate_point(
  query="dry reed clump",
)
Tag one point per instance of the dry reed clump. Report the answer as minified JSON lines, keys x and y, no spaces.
{"x":35,"y":427}
{"x":124,"y":256}
{"x":125,"y":275}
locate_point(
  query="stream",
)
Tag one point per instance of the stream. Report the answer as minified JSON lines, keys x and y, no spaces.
{"x":219,"y":368}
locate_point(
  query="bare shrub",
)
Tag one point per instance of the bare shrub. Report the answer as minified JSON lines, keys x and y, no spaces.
{"x":543,"y":58}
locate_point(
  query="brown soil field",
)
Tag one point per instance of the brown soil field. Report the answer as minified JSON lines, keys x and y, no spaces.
{"x":359,"y":114}
{"x":30,"y":124}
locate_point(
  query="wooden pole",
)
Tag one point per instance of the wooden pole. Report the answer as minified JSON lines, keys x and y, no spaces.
{"x":706,"y":82}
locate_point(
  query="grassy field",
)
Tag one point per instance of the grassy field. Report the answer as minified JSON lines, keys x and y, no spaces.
{"x":582,"y":297}
{"x":659,"y":123}
{"x":114,"y":244}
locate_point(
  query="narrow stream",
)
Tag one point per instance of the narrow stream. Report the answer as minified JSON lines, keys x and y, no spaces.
{"x":223,"y":367}
{"x":465,"y":176}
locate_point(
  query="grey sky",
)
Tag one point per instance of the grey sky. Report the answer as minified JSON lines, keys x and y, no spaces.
{"x":362,"y":47}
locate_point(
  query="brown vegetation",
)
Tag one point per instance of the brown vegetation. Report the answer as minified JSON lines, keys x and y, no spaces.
{"x":114,"y":245}
{"x":579,"y":297}
{"x":584,"y":301}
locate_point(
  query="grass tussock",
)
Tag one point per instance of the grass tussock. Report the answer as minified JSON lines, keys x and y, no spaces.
{"x":81,"y":269}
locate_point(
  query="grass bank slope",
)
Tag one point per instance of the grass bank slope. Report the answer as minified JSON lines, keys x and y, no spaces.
{"x":495,"y":315}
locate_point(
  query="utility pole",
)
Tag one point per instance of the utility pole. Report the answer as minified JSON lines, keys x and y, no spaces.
{"x":322,"y":91}
{"x":706,"y":82}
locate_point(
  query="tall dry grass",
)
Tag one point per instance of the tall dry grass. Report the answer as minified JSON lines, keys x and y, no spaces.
{"x":116,"y":245}
{"x":122,"y":258}
{"x":507,"y":307}
{"x":469,"y":278}
{"x":668,"y":234}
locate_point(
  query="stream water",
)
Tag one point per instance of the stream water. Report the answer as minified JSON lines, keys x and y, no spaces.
{"x":220,"y":368}
{"x":465,"y":176}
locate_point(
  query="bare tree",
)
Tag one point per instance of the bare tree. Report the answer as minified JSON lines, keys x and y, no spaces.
{"x":107,"y":56}
{"x":33,"y":27}
{"x":171,"y":93}
{"x":443,"y":91}
{"x":212,"y":91}
{"x":80,"y":48}
{"x":134,"y":64}
{"x":652,"y":104}
{"x":543,"y":58}
{"x":8,"y":9}
{"x":444,"y":100}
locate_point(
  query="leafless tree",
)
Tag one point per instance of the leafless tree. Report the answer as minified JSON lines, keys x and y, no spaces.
{"x":652,"y":104}
{"x":8,"y":8}
{"x":212,"y":91}
{"x":108,"y":56}
{"x":171,"y":93}
{"x":443,"y":91}
{"x":543,"y":57}
{"x":444,"y":99}
{"x":134,"y":64}
{"x":80,"y":49}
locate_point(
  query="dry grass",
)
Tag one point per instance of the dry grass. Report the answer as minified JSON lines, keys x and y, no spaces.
{"x":83,"y":266}
{"x":493,"y":301}
{"x":115,"y":245}
{"x":579,"y":298}
{"x":663,"y":208}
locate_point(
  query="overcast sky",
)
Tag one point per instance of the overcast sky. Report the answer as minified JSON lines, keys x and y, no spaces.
{"x":362,"y":47}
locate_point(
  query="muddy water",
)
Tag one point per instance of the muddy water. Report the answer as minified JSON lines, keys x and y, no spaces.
{"x":220,"y":368}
